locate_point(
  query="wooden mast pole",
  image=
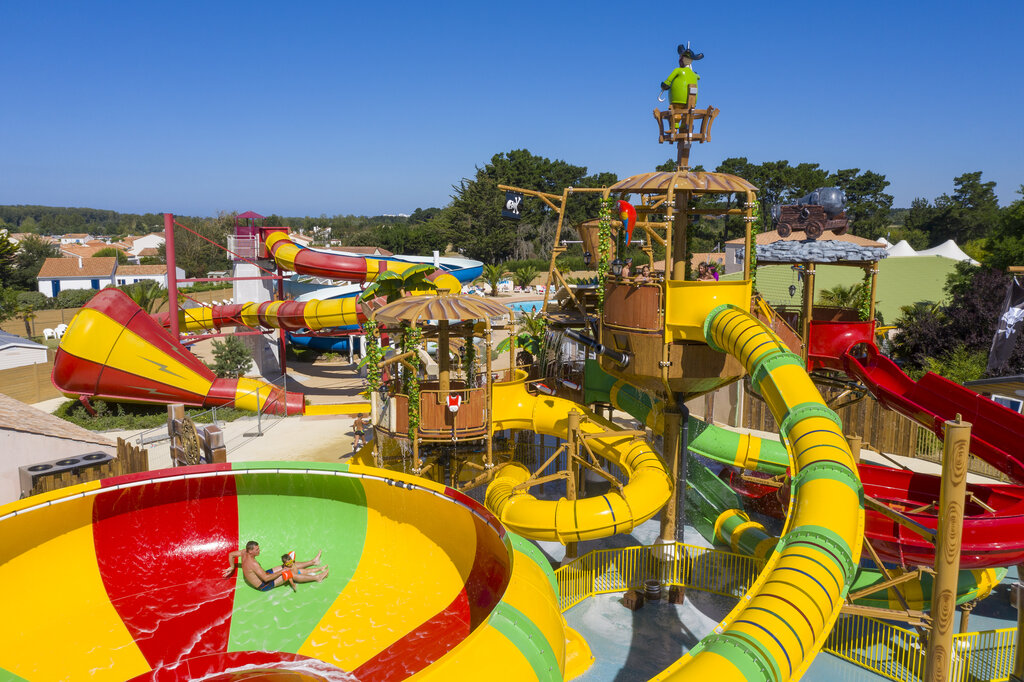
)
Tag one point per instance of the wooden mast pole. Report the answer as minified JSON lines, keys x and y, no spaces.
{"x":808,"y":307}
{"x":489,"y":383}
{"x":573,"y":438}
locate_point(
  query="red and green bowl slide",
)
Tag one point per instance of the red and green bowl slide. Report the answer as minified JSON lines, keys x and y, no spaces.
{"x":122,"y":579}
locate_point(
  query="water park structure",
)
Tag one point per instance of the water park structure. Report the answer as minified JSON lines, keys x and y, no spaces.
{"x":430,"y":530}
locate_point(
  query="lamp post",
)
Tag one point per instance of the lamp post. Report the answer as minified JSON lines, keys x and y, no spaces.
{"x":586,"y":259}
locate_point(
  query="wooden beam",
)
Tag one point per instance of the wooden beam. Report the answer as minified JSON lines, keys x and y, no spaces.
{"x":885,"y":584}
{"x":900,"y":518}
{"x":917,"y":618}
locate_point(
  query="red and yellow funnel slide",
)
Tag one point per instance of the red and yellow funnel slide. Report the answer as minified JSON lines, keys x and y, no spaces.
{"x":127,"y":581}
{"x":113,"y":349}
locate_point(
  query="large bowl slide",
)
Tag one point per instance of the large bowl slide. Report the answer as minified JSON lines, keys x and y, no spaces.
{"x":123,"y":580}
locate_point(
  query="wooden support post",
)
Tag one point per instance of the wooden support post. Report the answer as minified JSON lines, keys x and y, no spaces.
{"x":874,"y":281}
{"x":808,"y":307}
{"x":489,"y":383}
{"x":748,"y":245}
{"x":855,"y":443}
{"x":947,"y":550}
{"x":175,"y":413}
{"x":573,"y":439}
{"x":673,"y":428}
{"x":443,"y":363}
{"x":680,"y":225}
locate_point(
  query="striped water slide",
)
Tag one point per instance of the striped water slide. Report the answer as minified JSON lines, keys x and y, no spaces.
{"x":124,"y":580}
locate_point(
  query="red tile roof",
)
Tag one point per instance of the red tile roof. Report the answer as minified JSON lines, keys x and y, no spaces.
{"x":54,"y":268}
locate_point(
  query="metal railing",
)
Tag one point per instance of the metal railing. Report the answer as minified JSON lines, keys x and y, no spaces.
{"x":899,"y":654}
{"x":690,"y":566}
{"x":881,"y":647}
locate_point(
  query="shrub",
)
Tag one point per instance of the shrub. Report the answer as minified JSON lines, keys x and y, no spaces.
{"x":134,"y":416}
{"x":231,"y":357}
{"x":74,"y":298}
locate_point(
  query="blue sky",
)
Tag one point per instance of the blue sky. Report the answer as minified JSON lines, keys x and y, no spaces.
{"x":379,"y":107}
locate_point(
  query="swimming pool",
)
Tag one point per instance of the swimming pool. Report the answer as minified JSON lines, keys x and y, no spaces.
{"x":526,"y":306}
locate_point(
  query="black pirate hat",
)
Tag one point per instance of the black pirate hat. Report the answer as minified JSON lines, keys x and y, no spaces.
{"x":685,"y":51}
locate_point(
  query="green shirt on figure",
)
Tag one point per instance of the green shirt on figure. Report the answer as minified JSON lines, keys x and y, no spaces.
{"x":679,"y":82}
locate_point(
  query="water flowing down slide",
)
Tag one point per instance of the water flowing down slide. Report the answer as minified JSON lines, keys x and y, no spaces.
{"x":125,"y":581}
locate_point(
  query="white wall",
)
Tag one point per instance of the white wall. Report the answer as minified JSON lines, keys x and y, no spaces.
{"x":22,"y":448}
{"x":150,"y":241}
{"x":46,"y":285}
{"x":19,"y":356}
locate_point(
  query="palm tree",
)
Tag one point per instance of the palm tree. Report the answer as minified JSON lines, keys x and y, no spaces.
{"x":845,"y":297}
{"x":392,"y":284}
{"x":530,"y":334}
{"x":524,"y":275}
{"x":147,"y":293}
{"x":492,"y":274}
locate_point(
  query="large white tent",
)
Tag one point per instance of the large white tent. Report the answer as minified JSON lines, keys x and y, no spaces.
{"x":947,"y":249}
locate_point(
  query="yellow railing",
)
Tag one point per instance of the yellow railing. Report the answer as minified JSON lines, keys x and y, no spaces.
{"x":618,"y":570}
{"x":889,"y":650}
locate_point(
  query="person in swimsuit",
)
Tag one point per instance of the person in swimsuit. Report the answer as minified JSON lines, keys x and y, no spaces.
{"x":358,"y":428}
{"x":265,"y":581}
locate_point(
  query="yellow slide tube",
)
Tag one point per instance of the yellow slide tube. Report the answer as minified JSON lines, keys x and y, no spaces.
{"x":335,"y":312}
{"x":783,"y":620}
{"x":647,"y":490}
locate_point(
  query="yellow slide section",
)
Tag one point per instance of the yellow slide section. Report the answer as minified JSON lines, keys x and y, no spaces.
{"x":647,"y":490}
{"x":335,"y":312}
{"x":782,"y":622}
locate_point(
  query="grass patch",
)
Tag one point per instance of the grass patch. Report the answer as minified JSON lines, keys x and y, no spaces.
{"x":135,"y":416}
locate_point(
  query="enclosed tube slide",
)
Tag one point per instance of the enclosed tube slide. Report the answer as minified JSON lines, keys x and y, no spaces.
{"x":647,"y":490}
{"x":734,"y":528}
{"x":113,"y":349}
{"x":287,"y":315}
{"x":321,"y":263}
{"x":782,"y":622}
{"x":129,"y":576}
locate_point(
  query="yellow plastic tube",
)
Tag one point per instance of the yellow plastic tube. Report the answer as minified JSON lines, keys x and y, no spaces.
{"x":783,"y":620}
{"x":646,"y":492}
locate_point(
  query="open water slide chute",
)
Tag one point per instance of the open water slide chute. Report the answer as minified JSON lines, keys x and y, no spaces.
{"x":996,"y":431}
{"x":645,"y":492}
{"x":129,"y":571}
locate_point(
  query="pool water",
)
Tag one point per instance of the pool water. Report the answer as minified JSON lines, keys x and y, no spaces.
{"x":526,"y":306}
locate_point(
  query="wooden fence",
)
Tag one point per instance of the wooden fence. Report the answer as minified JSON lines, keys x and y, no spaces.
{"x":880,"y":429}
{"x":130,"y":460}
{"x":30,"y":383}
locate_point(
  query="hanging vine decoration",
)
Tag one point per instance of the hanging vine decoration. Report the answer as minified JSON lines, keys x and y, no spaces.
{"x":412,"y":340}
{"x":469,"y":363}
{"x":755,"y":228}
{"x":374,"y":355}
{"x":604,"y":240}
{"x":864,"y":296}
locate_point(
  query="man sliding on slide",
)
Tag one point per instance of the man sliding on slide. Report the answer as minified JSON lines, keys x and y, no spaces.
{"x":291,"y":571}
